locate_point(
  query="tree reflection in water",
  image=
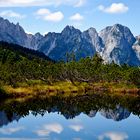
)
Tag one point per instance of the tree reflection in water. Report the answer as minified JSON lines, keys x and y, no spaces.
{"x":111,"y":107}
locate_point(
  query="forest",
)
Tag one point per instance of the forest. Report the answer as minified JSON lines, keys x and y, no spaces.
{"x":22,"y":65}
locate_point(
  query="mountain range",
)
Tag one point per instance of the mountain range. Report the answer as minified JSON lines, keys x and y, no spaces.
{"x":114,"y":43}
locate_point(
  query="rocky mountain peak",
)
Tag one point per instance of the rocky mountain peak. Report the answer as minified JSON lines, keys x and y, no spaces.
{"x":118,"y":41}
{"x":70,"y":30}
{"x":91,"y":31}
{"x":117,"y":25}
{"x":114,"y":43}
{"x":12,"y":33}
{"x":17,"y":24}
{"x":3,"y":20}
{"x":38,"y":35}
{"x":68,"y":27}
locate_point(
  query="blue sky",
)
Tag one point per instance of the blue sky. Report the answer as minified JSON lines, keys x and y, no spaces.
{"x":53,"y":15}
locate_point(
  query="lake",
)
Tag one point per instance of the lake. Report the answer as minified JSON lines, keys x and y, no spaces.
{"x":89,"y":117}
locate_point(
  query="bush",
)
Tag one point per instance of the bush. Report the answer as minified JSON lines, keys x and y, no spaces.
{"x":135,"y":77}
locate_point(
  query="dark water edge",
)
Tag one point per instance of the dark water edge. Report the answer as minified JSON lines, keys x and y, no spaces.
{"x":70,"y":107}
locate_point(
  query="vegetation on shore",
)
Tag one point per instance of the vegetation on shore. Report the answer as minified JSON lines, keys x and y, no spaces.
{"x":65,"y":89}
{"x":29,"y":72}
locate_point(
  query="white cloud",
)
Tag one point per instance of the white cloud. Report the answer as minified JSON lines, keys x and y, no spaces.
{"x":9,"y":131}
{"x":49,"y":128}
{"x":11,"y":14}
{"x":80,"y":3}
{"x":113,"y":136}
{"x":47,"y":15}
{"x":76,"y":17}
{"x":76,"y":128}
{"x":42,"y":133}
{"x":25,"y":3}
{"x":54,"y":17}
{"x":54,"y":127}
{"x":114,"y":8}
{"x":43,"y":11}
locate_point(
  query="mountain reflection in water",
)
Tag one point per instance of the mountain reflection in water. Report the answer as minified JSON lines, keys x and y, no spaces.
{"x":114,"y":108}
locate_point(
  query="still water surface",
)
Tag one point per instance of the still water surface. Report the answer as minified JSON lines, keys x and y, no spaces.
{"x":84,"y":118}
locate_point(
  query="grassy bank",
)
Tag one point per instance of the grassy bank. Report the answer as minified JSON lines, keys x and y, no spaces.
{"x":37,"y":88}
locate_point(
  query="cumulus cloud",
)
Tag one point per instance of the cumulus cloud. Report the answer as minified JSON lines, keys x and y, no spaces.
{"x":25,"y":3}
{"x":76,"y":128}
{"x":80,"y":3}
{"x":114,"y":8}
{"x":11,"y":14}
{"x":49,"y":128}
{"x":43,"y":11}
{"x":76,"y":17}
{"x":113,"y":136}
{"x":9,"y":131}
{"x":55,"y":17}
{"x":42,"y":133}
{"x":47,"y":15}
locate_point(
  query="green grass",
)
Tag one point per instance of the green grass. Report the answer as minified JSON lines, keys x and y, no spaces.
{"x":65,"y":88}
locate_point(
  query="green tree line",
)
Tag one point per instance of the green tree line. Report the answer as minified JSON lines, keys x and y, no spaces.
{"x":18,"y":64}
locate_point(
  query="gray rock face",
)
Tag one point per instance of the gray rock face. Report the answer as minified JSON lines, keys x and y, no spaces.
{"x":92,"y":36}
{"x":92,"y":113}
{"x":33,"y":41}
{"x":118,"y":41}
{"x":117,"y":114}
{"x":114,"y":43}
{"x":12,"y":33}
{"x":70,"y":40}
{"x":47,"y":44}
{"x":136,"y":47}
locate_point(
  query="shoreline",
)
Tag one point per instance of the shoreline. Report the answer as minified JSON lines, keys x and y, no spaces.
{"x":66,"y":89}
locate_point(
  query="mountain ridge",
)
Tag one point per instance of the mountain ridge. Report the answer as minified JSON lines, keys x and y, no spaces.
{"x":114,"y":43}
